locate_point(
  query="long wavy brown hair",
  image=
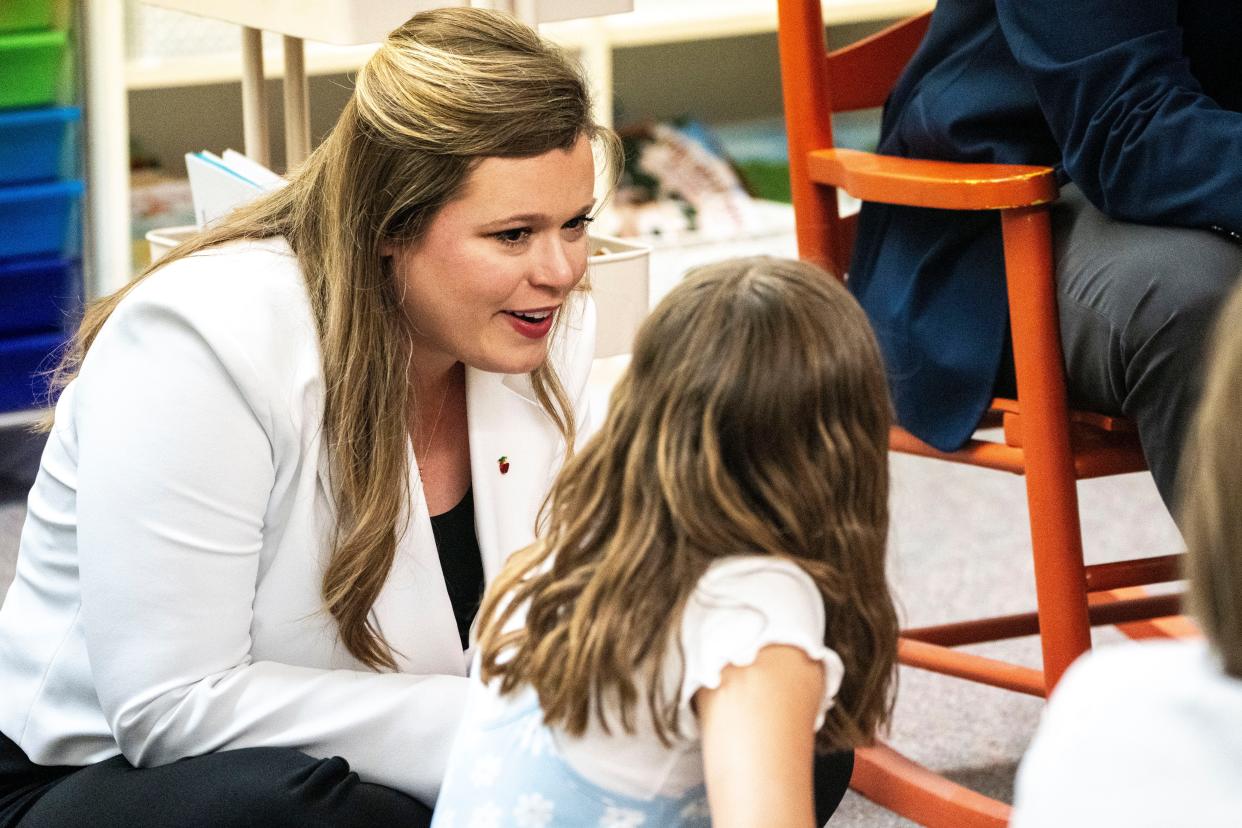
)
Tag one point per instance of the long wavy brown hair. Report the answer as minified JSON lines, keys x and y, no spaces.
{"x":753,"y":419}
{"x":1210,"y":494}
{"x":445,"y":90}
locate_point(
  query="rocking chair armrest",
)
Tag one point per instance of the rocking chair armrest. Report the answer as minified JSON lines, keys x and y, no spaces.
{"x":946,"y":185}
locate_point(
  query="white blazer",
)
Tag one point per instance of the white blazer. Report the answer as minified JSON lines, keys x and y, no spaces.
{"x":167,"y":597}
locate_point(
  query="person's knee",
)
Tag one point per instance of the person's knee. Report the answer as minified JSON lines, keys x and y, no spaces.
{"x":284,"y":787}
{"x":1127,"y":283}
{"x":1190,"y":276}
{"x":1179,"y":287}
{"x":253,"y":786}
{"x":265,"y":786}
{"x":326,"y":792}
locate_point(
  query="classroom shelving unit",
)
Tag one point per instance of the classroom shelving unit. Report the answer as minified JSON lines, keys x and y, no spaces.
{"x":40,"y":282}
{"x":346,"y":23}
{"x":649,"y":22}
{"x":343,"y":27}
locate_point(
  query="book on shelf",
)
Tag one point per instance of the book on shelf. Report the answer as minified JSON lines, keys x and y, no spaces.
{"x":221,"y":183}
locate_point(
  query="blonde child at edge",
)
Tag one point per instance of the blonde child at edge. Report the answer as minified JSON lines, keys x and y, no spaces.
{"x":707,"y":603}
{"x":1149,"y":735}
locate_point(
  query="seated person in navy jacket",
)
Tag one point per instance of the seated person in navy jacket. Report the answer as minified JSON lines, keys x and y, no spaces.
{"x":1138,"y":106}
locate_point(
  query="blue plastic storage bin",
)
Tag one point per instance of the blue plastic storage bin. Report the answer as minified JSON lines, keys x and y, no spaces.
{"x":37,"y":144}
{"x":39,"y":295}
{"x":39,"y":219}
{"x":24,"y":363}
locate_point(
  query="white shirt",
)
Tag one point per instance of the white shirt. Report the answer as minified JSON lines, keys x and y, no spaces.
{"x":740,"y":605}
{"x":1142,"y":735}
{"x":167,"y":600}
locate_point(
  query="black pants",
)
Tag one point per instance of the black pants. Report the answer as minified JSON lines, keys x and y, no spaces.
{"x":1136,"y":306}
{"x":250,"y":787}
{"x":832,"y":778}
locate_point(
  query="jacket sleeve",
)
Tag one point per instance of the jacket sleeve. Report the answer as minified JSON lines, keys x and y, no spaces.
{"x":175,"y":470}
{"x":1137,"y":132}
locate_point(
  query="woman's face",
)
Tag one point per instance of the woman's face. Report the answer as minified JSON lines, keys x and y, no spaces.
{"x":484,"y":284}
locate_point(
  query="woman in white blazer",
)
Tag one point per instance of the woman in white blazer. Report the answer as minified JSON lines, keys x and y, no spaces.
{"x":286,"y":460}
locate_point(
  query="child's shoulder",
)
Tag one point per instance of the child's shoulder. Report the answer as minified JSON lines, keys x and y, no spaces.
{"x":756,"y":578}
{"x":744,"y":603}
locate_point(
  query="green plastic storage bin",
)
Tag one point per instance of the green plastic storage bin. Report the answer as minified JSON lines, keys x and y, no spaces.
{"x":30,"y":63}
{"x":18,"y":15}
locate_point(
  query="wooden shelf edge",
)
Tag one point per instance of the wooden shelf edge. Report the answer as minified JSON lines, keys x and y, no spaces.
{"x":206,"y":70}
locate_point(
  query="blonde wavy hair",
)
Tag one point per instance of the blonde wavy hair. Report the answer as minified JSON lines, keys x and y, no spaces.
{"x":753,"y":419}
{"x":444,"y":91}
{"x":1210,"y":494}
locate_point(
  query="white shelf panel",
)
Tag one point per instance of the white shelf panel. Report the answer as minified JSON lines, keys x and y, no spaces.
{"x":348,"y":22}
{"x":202,"y":70}
{"x":651,"y":22}
{"x":329,"y":21}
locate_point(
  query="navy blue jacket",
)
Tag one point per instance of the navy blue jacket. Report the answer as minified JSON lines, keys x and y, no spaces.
{"x":1138,"y":102}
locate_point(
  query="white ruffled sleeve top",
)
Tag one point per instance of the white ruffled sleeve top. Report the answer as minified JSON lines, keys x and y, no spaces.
{"x":741,"y":605}
{"x":505,"y":758}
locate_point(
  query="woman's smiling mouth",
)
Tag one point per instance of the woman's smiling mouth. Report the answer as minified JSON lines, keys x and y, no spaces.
{"x":533,"y":324}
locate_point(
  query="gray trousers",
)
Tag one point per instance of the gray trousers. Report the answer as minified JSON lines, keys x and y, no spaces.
{"x":1136,"y":306}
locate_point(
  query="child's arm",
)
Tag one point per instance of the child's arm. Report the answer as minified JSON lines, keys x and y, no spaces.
{"x":758,"y":739}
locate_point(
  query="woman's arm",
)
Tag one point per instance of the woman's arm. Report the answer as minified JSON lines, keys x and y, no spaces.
{"x":758,"y":734}
{"x":1137,"y":131}
{"x":178,"y":418}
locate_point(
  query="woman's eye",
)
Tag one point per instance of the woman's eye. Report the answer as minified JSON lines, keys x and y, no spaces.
{"x":515,"y":236}
{"x":578,"y":222}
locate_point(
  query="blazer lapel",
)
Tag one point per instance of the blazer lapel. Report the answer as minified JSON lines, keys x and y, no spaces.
{"x":412,"y":611}
{"x":507,"y":421}
{"x":504,"y":419}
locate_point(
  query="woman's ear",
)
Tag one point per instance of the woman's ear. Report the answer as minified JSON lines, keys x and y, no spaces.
{"x":389,"y":249}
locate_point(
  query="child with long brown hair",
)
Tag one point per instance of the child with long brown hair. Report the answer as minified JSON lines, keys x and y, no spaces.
{"x":707,"y":601}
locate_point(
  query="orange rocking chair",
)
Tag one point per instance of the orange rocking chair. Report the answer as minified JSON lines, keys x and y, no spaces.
{"x":1042,"y":439}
